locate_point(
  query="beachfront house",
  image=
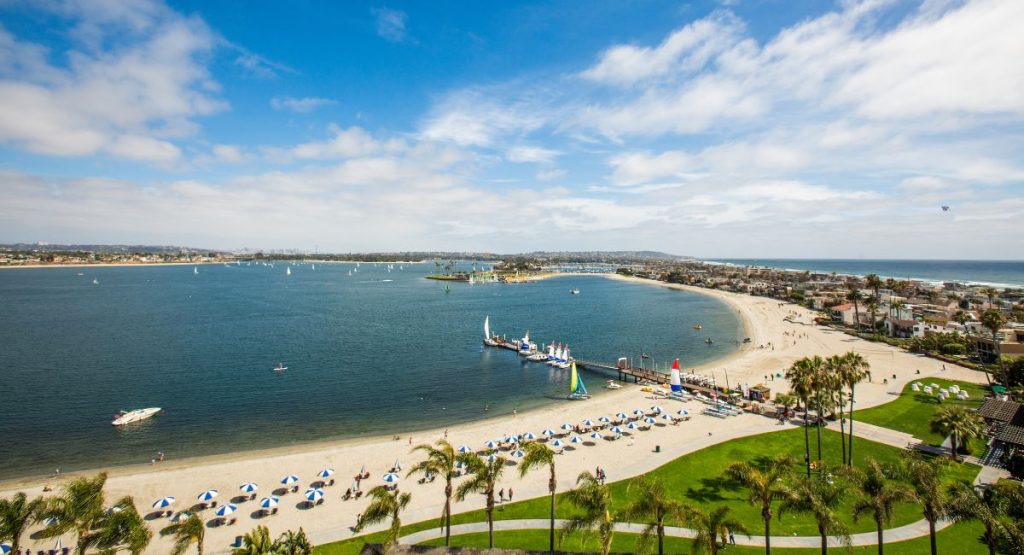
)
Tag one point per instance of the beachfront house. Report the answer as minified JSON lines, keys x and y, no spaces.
{"x":845,"y":313}
{"x":1011,"y":343}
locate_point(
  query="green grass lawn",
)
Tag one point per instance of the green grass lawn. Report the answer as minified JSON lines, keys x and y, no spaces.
{"x":912,"y":411}
{"x":959,"y":538}
{"x":696,"y":479}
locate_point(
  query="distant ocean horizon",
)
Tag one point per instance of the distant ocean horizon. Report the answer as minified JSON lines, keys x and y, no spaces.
{"x":1004,"y":273}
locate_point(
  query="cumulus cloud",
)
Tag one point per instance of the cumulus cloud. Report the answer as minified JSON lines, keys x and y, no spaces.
{"x":299,"y":105}
{"x":533,"y":154}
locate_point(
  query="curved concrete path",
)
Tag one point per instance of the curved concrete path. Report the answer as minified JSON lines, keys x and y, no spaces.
{"x":907,"y":532}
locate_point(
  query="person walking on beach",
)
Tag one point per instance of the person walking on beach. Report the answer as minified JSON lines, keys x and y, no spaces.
{"x":732,"y":538}
{"x":509,"y":495}
{"x":501,"y":495}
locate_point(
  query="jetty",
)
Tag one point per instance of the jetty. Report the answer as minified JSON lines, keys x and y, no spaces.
{"x":625,"y":370}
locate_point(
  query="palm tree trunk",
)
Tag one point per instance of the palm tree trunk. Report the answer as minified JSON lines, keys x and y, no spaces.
{"x":768,"y":536}
{"x":842,"y":431}
{"x":931,"y":537}
{"x":881,"y":541}
{"x":807,"y":441}
{"x":953,"y":441}
{"x":490,"y":520}
{"x":448,"y":517}
{"x":551,"y":488}
{"x":817,"y":413}
{"x":661,"y":538}
{"x":991,"y":539}
{"x":850,"y":450}
{"x":824,"y":544}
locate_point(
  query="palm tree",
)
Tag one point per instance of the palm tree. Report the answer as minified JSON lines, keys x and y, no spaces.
{"x":385,"y":504}
{"x":293,"y":543}
{"x":256,"y":542}
{"x":854,"y":295}
{"x":594,"y":500}
{"x":78,"y":509}
{"x":874,"y":283}
{"x":960,"y":423}
{"x":988,"y":505}
{"x":821,"y":499}
{"x":873,"y":309}
{"x":186,"y":532}
{"x":441,"y":461}
{"x":993,"y":319}
{"x":539,"y":455}
{"x":877,"y":495}
{"x":120,"y":528}
{"x":821,"y":384}
{"x":712,"y":528}
{"x":799,"y":378}
{"x":991,"y":294}
{"x":484,"y":477}
{"x":765,"y":486}
{"x":835,"y":368}
{"x":786,"y":400}
{"x":925,"y":474}
{"x":855,"y":370}
{"x":16,"y":514}
{"x":652,"y":504}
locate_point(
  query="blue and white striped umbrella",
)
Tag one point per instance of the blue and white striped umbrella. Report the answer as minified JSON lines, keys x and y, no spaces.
{"x":666,"y":416}
{"x":391,"y":478}
{"x":512,"y":439}
{"x":567,"y":427}
{"x":492,"y":457}
{"x":596,"y":435}
{"x":289,"y":479}
{"x":548,"y":432}
{"x":5,"y":547}
{"x":632,"y":426}
{"x":325,"y":473}
{"x":638,"y":412}
{"x":51,"y":521}
{"x":557,"y":443}
{"x":617,"y":430}
{"x":465,"y":449}
{"x":604,"y":419}
{"x":683,"y":412}
{"x":655,"y":408}
{"x":650,"y":420}
{"x":529,"y":436}
{"x":491,"y":444}
{"x":269,"y":502}
{"x":249,"y":487}
{"x":314,"y":494}
{"x":575,"y":440}
{"x":208,"y":495}
{"x":227,"y":509}
{"x":621,"y":415}
{"x":163,"y":502}
{"x":588,"y":422}
{"x":518,"y":453}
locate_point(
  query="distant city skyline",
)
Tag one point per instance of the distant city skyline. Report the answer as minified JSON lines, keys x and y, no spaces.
{"x":871,"y":129}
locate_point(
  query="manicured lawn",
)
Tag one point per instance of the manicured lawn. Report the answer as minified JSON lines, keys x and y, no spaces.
{"x":913,"y":410}
{"x":960,"y":538}
{"x":696,"y":479}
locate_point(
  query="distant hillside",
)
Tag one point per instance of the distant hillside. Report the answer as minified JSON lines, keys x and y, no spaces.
{"x":118,"y":249}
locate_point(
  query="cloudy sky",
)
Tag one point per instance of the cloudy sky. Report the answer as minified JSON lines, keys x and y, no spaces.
{"x":742,"y":128}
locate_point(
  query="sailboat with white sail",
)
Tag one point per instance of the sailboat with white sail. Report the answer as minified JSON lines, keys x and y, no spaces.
{"x":195,"y":270}
{"x":577,"y":391}
{"x":488,"y":338}
{"x":287,"y":271}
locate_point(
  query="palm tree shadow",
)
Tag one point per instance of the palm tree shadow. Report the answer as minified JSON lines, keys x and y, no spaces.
{"x":711,"y":489}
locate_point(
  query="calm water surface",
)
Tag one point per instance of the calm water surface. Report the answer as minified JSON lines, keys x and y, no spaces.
{"x":371,"y":353}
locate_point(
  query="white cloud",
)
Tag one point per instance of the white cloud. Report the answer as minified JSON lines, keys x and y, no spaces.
{"x":390,"y":24}
{"x":231,"y":154}
{"x":144,"y":149}
{"x":299,"y":105}
{"x":344,"y":143}
{"x":471,"y":117}
{"x":533,"y":154}
{"x":551,"y":174}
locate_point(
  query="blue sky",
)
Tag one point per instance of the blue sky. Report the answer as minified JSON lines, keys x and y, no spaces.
{"x":742,"y":128}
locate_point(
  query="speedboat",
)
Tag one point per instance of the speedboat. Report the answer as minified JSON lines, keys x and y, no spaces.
{"x":280,"y":367}
{"x":537,"y":357}
{"x":127,"y":417}
{"x":574,"y":291}
{"x":612,"y":385}
{"x":698,"y":327}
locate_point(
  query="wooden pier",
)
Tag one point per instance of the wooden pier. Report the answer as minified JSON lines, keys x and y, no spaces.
{"x":625,"y":371}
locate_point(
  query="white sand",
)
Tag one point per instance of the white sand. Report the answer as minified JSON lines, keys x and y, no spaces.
{"x":628,"y":456}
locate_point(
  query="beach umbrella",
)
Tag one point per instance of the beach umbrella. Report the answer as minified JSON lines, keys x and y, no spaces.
{"x":529,"y":435}
{"x":325,"y":473}
{"x":666,"y":416}
{"x":208,"y":495}
{"x":492,"y":457}
{"x":163,"y":502}
{"x":248,"y":487}
{"x":557,"y":443}
{"x":621,"y":415}
{"x":575,"y":440}
{"x":491,"y":444}
{"x":683,"y":412}
{"x":604,"y":419}
{"x":518,"y":453}
{"x":5,"y":547}
{"x":650,"y":420}
{"x":180,"y":515}
{"x":617,"y":430}
{"x":269,"y":502}
{"x":512,"y":439}
{"x":51,"y":521}
{"x":227,"y":509}
{"x":289,"y":479}
{"x":655,"y":408}
{"x":314,"y":494}
{"x":632,"y":426}
{"x":639,"y":412}
{"x":548,"y":432}
{"x":596,"y":435}
{"x":567,"y":427}
{"x":391,"y":478}
{"x":465,"y":449}
{"x":588,"y":422}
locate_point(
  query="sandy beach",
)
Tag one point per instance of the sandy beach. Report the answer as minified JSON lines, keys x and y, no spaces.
{"x":780,"y":334}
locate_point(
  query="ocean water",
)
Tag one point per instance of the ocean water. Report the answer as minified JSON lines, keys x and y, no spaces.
{"x":371,"y":353}
{"x":990,"y":272}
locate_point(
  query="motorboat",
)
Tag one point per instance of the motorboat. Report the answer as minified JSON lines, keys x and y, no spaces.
{"x":537,"y":357}
{"x":128,"y":417}
{"x":708,"y":341}
{"x":280,"y":367}
{"x":612,"y":385}
{"x":574,"y":291}
{"x":698,"y":327}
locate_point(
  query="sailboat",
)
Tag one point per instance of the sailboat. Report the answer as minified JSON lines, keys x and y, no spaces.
{"x":525,"y":348}
{"x":95,"y":281}
{"x":287,"y":271}
{"x":488,"y":339}
{"x":557,"y":356}
{"x":195,"y":270}
{"x":313,"y":267}
{"x":564,"y":362}
{"x":577,"y":391}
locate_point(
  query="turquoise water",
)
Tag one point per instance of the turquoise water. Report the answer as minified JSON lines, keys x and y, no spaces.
{"x":364,"y":355}
{"x":989,"y":272}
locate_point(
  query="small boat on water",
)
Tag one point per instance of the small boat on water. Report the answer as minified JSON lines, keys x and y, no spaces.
{"x":488,"y":338}
{"x":574,"y":291}
{"x":95,"y":281}
{"x":287,"y":271}
{"x":81,"y":274}
{"x":537,"y":357}
{"x":128,"y":417}
{"x":577,"y":391}
{"x":195,"y":270}
{"x":612,"y":385}
{"x":708,"y":341}
{"x":280,"y":367}
{"x":698,"y":327}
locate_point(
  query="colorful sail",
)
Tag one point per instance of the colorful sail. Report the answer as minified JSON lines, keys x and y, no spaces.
{"x":579,"y":391}
{"x":574,"y":382}
{"x":676,"y":384}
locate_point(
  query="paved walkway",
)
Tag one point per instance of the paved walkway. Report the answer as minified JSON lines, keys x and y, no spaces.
{"x":892,"y":535}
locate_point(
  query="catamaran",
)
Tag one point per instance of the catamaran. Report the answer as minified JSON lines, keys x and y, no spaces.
{"x":557,"y":357}
{"x":577,"y":391}
{"x":565,"y":360}
{"x":488,"y":339}
{"x":127,"y":417}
